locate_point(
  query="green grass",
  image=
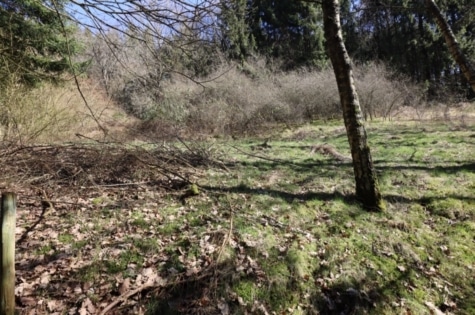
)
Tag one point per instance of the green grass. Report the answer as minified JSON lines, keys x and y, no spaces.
{"x":280,"y":231}
{"x":315,"y":248}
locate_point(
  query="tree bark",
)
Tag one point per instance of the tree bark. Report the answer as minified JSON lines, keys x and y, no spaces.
{"x":367,"y":188}
{"x":468,"y":70}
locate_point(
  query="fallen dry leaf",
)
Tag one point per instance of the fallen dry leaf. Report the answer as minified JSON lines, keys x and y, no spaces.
{"x":124,"y":286}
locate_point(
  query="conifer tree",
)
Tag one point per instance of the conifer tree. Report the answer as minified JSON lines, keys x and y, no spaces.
{"x":290,"y":31}
{"x":403,"y":34}
{"x":33,"y":43}
{"x":287,"y":30}
{"x":236,"y":39}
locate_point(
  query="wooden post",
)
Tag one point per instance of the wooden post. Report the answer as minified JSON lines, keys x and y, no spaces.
{"x":7,"y":254}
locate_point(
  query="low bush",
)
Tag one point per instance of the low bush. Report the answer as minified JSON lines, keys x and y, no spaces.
{"x":246,"y":99}
{"x":27,"y":115}
{"x":383,"y":92}
{"x":310,"y":94}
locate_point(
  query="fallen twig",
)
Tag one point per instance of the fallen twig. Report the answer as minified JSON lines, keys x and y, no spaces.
{"x":127,"y":295}
{"x":259,"y":156}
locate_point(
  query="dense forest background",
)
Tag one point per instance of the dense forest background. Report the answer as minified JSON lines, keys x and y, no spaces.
{"x":227,"y":66}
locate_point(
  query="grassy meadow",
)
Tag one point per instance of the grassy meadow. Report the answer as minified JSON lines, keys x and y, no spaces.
{"x":254,"y":225}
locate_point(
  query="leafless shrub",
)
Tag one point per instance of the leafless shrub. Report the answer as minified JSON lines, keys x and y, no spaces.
{"x":133,"y":70}
{"x":155,"y":130}
{"x":310,"y":94}
{"x":242,"y":101}
{"x":127,"y":70}
{"x":383,"y":93}
{"x":51,"y":113}
{"x":234,"y":103}
{"x":140,"y":98}
{"x":246,"y":98}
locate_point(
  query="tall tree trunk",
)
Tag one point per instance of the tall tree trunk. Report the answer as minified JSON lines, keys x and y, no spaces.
{"x":467,"y":69}
{"x":367,"y":188}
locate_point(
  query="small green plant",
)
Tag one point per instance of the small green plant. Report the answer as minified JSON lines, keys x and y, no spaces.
{"x":79,"y":244}
{"x":90,"y":272}
{"x":66,"y":238}
{"x":139,"y":220}
{"x":45,"y":250}
{"x":247,"y":290}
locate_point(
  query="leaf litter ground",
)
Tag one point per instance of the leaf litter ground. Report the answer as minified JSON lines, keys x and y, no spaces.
{"x":271,"y":227}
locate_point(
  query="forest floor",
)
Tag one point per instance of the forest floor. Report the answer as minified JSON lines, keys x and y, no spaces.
{"x":259,"y":225}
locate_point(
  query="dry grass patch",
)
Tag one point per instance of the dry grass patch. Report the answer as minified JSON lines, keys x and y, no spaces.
{"x":54,"y":113}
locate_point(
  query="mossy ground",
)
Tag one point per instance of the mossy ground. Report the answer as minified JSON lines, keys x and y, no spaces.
{"x":315,"y":250}
{"x":274,"y":228}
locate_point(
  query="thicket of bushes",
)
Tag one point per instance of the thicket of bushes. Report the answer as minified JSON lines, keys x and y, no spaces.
{"x":152,"y":73}
{"x":246,"y":101}
{"x":232,"y":101}
{"x":27,"y":114}
{"x":161,"y":89}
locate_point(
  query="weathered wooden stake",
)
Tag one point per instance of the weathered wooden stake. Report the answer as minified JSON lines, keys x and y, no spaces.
{"x":7,"y":254}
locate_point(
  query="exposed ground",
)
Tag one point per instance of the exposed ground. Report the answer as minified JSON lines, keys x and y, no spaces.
{"x":247,"y":226}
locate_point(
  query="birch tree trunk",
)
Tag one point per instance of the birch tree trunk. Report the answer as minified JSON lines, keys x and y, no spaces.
{"x":367,"y":188}
{"x":467,"y":69}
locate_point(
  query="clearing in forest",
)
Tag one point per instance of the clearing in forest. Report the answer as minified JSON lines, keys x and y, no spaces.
{"x":263,"y":225}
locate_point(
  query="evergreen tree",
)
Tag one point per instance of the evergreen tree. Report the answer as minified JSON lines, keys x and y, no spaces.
{"x":32,"y":41}
{"x":236,"y":39}
{"x":402,"y":34}
{"x":287,"y":30}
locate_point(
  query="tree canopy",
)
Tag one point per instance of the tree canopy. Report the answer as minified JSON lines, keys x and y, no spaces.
{"x":34,"y":40}
{"x":404,"y":35}
{"x":288,"y":31}
{"x":36,"y":36}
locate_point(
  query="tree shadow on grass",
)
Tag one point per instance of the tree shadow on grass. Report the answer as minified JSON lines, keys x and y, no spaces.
{"x":448,"y":168}
{"x":206,"y":292}
{"x":427,"y":200}
{"x":41,"y":218}
{"x":288,"y":197}
{"x":335,"y":169}
{"x":351,"y":297}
